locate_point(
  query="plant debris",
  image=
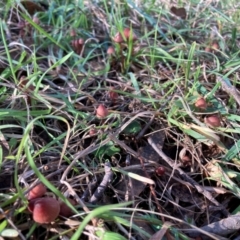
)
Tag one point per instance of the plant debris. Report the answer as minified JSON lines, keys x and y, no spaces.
{"x":125,"y":117}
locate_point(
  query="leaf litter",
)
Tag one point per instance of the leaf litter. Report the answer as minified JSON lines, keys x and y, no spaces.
{"x":55,"y":73}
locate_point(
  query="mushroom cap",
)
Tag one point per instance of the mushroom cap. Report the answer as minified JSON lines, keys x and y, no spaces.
{"x":102,"y":111}
{"x":113,"y":95}
{"x":213,"y":121}
{"x":118,"y":38}
{"x":201,"y":103}
{"x":110,"y":50}
{"x":38,"y":191}
{"x":65,"y":210}
{"x":45,"y":210}
{"x":160,"y":171}
{"x":129,"y":34}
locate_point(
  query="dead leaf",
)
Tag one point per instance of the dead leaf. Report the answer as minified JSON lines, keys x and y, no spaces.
{"x":131,"y":185}
{"x":214,"y":170}
{"x":3,"y":215}
{"x":148,"y":153}
{"x":180,"y":12}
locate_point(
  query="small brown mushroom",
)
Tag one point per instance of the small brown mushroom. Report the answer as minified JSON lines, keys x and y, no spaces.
{"x":38,"y":191}
{"x":44,"y":210}
{"x":201,"y":103}
{"x":102,"y":111}
{"x":213,"y":121}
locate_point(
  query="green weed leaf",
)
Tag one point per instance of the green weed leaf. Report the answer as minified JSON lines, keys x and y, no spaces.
{"x":109,"y":235}
{"x":133,"y":128}
{"x":107,"y":150}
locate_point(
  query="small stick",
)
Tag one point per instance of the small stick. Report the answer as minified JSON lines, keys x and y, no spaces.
{"x":91,"y":186}
{"x":229,"y":88}
{"x":223,"y":227}
{"x":103,"y":185}
{"x":142,"y":132}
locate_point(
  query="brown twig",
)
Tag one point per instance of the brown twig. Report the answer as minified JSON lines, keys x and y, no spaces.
{"x":228,"y":88}
{"x":223,"y":227}
{"x":142,"y":132}
{"x":91,"y":186}
{"x":103,"y":185}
